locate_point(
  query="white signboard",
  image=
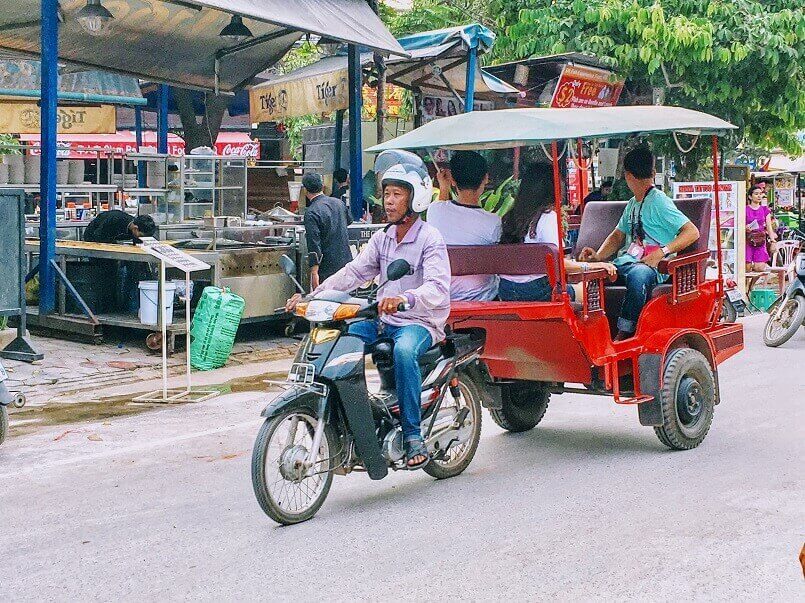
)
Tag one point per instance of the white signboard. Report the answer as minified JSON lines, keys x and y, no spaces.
{"x":174,"y":257}
{"x":730,"y":195}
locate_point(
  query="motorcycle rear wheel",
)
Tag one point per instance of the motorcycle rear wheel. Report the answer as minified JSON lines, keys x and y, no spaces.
{"x":728,"y":312}
{"x":3,"y":423}
{"x":792,"y":317}
{"x":285,"y":492}
{"x":459,"y":456}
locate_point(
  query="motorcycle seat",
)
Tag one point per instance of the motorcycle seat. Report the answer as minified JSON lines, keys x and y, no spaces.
{"x":431,"y":356}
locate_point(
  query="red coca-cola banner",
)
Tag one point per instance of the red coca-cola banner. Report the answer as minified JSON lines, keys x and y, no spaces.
{"x":78,"y":146}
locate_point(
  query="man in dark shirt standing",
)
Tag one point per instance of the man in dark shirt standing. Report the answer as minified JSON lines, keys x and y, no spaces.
{"x":340,"y":183}
{"x":115,"y":225}
{"x":326,"y":221}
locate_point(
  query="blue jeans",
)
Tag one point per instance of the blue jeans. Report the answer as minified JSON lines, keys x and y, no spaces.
{"x":410,"y":342}
{"x":640,"y":281}
{"x":537,"y":290}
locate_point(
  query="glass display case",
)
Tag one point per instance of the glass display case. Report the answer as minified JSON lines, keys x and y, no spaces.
{"x":182,"y":189}
{"x":214,"y":186}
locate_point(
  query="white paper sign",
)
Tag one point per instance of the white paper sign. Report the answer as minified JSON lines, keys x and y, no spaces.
{"x":174,"y":257}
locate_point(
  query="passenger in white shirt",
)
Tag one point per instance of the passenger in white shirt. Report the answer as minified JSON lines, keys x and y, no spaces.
{"x":533,"y":220}
{"x":464,"y":222}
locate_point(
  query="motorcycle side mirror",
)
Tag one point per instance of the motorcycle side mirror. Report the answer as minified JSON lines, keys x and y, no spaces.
{"x":398,"y":269}
{"x":287,"y":265}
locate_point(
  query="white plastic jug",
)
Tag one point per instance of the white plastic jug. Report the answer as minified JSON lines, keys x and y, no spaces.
{"x":149,"y":294}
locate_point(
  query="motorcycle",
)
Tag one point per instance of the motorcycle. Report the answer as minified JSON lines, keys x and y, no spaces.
{"x":733,"y":304}
{"x":328,"y":422}
{"x":7,"y":398}
{"x":787,"y":313}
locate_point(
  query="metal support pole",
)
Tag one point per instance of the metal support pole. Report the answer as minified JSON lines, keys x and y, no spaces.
{"x":187,"y":298}
{"x":164,"y":329}
{"x":49,"y":33}
{"x":469,"y":88}
{"x":162,"y":124}
{"x":355,"y":146}
{"x":720,"y":259}
{"x":557,"y":197}
{"x":339,"y":138}
{"x":138,"y":137}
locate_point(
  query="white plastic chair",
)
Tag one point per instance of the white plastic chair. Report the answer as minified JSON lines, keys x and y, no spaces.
{"x":782,"y":260}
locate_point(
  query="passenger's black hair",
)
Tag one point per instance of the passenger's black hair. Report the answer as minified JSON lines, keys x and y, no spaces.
{"x":469,"y":169}
{"x":639,"y":162}
{"x":312,"y":183}
{"x":145,"y":224}
{"x":340,"y":175}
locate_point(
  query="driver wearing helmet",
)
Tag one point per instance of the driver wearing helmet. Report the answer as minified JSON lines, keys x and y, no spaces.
{"x":407,"y":192}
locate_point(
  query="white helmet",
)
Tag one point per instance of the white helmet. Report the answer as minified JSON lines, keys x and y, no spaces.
{"x":407,"y":169}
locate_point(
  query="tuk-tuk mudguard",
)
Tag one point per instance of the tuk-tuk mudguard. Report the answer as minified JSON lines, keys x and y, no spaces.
{"x":651,"y":365}
{"x":345,"y":373}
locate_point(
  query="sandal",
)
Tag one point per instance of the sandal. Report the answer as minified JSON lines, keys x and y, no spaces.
{"x":414,"y":449}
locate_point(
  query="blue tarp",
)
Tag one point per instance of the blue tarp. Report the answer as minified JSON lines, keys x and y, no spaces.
{"x":23,"y":77}
{"x":473,"y":35}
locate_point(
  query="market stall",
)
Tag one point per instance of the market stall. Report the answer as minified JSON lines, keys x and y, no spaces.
{"x":441,"y":70}
{"x":213,"y":46}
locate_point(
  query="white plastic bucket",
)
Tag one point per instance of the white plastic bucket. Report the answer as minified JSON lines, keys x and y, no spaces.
{"x":149,"y":294}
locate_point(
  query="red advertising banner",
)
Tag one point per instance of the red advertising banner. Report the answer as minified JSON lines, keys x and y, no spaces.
{"x":580,"y":86}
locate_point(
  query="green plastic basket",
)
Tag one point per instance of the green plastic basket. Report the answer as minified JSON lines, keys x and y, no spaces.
{"x":215,"y":325}
{"x":763,"y":298}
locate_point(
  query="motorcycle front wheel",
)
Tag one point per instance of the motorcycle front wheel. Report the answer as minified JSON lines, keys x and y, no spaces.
{"x":459,"y":455}
{"x":791,"y":318}
{"x":287,"y":489}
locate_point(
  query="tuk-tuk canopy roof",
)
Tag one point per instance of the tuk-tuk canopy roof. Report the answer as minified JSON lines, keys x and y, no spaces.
{"x":521,"y":127}
{"x":179,"y":41}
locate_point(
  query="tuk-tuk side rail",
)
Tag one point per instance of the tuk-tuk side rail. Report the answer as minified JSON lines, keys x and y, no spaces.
{"x":592,"y":291}
{"x":686,"y":273}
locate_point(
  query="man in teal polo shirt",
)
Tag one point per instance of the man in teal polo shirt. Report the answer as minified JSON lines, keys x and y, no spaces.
{"x":650,"y":229}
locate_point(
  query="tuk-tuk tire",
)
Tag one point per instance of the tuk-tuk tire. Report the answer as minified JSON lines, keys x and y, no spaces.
{"x":3,"y":423}
{"x":522,"y":408}
{"x":685,"y":363}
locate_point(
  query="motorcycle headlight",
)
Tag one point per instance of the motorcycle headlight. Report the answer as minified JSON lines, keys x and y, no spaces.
{"x":319,"y":336}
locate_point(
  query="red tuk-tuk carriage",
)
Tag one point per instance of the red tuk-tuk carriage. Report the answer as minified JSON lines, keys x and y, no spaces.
{"x":669,"y":369}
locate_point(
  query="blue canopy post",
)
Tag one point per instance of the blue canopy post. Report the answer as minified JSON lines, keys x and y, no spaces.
{"x":469,"y":89}
{"x":355,"y":146}
{"x":162,"y":122}
{"x":339,"y":138}
{"x":49,"y":33}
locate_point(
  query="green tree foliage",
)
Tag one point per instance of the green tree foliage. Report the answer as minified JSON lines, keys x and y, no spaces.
{"x":437,"y":14}
{"x":743,"y":60}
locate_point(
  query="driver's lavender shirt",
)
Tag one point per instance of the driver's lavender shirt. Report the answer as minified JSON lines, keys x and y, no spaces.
{"x":427,"y":289}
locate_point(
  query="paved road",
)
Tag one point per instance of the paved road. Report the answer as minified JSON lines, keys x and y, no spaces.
{"x":587,"y":506}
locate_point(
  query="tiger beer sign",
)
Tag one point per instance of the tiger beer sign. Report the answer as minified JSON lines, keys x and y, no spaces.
{"x":318,"y":94}
{"x":24,"y":118}
{"x":580,"y":86}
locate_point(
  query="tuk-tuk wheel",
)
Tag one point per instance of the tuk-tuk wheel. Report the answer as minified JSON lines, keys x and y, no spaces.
{"x":3,"y":423}
{"x":688,"y":400}
{"x":524,"y":405}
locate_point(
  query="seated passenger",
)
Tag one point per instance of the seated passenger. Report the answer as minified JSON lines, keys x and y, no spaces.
{"x":650,"y":229}
{"x":465,"y":222}
{"x":532,"y":219}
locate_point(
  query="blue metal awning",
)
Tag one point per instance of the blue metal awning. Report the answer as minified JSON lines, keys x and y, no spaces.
{"x":23,"y":78}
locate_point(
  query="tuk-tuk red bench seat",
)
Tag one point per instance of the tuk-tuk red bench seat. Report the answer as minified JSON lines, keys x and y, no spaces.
{"x":519,"y":259}
{"x":687,"y":269}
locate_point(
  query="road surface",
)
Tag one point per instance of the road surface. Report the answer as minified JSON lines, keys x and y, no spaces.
{"x":589,"y":505}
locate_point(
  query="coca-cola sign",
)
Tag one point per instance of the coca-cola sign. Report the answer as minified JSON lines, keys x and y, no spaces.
{"x":238,"y":149}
